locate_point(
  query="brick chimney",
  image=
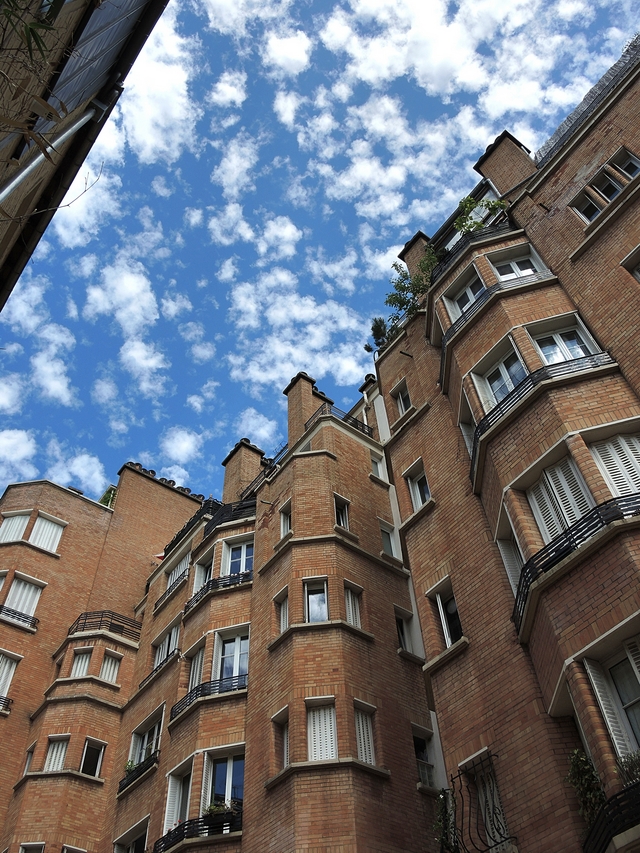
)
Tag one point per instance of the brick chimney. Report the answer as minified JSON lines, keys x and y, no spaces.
{"x":304,"y":399}
{"x":241,"y":466}
{"x":505,"y":163}
{"x":413,"y":251}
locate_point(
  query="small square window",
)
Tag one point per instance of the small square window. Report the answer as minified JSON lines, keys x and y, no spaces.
{"x":586,"y":207}
{"x":387,"y":534}
{"x":80,"y":667}
{"x":46,"y":533}
{"x":13,"y":527}
{"x":377,"y":466}
{"x":165,"y":647}
{"x":316,"y":608}
{"x":110,"y":667}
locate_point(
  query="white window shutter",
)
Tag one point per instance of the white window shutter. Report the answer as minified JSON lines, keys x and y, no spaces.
{"x":619,"y":460}
{"x":205,"y":797}
{"x":174,"y":636}
{"x":364,"y":736}
{"x":321,"y":733}
{"x":546,"y":513}
{"x":13,"y":528}
{"x":80,"y":665}
{"x":109,"y":668}
{"x":136,"y":748}
{"x":195,"y":673}
{"x":7,"y":668}
{"x":217,"y":658}
{"x":173,"y":803}
{"x":178,"y":570}
{"x":46,"y":534}
{"x":285,"y":745}
{"x":55,"y":755}
{"x":443,"y":620}
{"x":352,"y":607}
{"x":616,"y":727}
{"x":23,"y":597}
{"x":512,"y":561}
{"x":570,"y":491}
{"x":632,"y":648}
{"x":284,"y":614}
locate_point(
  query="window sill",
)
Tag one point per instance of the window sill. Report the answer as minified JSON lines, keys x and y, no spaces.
{"x":411,"y":416}
{"x":74,"y":774}
{"x":311,"y":626}
{"x":427,"y":790}
{"x":31,"y":545}
{"x":330,"y":764}
{"x":417,"y":515}
{"x":406,"y":655}
{"x":205,"y":700}
{"x":444,"y":657}
{"x":137,"y":782}
{"x":344,"y":531}
{"x":392,"y":561}
{"x":401,"y":421}
{"x":379,"y":481}
{"x":283,"y":541}
{"x":17,"y":624}
{"x":81,"y":679}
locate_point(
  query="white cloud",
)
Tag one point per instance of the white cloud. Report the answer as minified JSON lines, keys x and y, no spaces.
{"x":177,"y":473}
{"x":234,"y":171}
{"x":93,"y":198}
{"x":125,"y":293}
{"x":12,"y":393}
{"x":229,"y":225}
{"x":104,"y":391}
{"x":181,"y":444}
{"x":172,"y":306}
{"x":258,"y":428}
{"x":339,"y":273}
{"x":26,"y":309}
{"x":228,"y":270}
{"x":207,"y":393}
{"x":80,"y":467}
{"x":200,"y":349}
{"x":160,"y":187}
{"x":17,"y":449}
{"x":144,"y":362}
{"x":49,"y":370}
{"x":288,"y":54}
{"x":278,"y":239}
{"x":285,"y":107}
{"x":230,"y":90}
{"x":232,"y":16}
{"x":193,"y":217}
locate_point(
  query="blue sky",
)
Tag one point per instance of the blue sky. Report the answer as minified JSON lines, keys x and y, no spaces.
{"x":237,"y":220}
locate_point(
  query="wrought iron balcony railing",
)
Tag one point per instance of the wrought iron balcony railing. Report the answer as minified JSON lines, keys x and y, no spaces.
{"x":171,"y":589}
{"x":329,"y":409}
{"x":463,"y":242}
{"x":269,"y":467}
{"x":171,"y":656}
{"x":16,"y":616}
{"x":138,"y":771}
{"x":209,"y":688}
{"x":218,"y":583}
{"x":549,"y":371}
{"x":106,"y":620}
{"x":567,"y":542}
{"x":5,"y":702}
{"x":200,"y":827}
{"x":620,"y":813}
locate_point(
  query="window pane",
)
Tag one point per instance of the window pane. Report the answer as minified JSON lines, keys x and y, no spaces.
{"x":628,"y":689}
{"x":91,"y":761}
{"x":387,"y":544}
{"x":220,"y":781}
{"x":550,"y":350}
{"x":526,"y":266}
{"x":498,"y":385}
{"x":505,"y":271}
{"x":316,"y":604}
{"x":248,"y":560}
{"x":13,"y":528}
{"x":237,"y":778}
{"x":515,"y":369}
{"x":235,"y":561}
{"x":575,"y":344}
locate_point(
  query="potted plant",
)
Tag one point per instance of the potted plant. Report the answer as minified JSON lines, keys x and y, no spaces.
{"x":217,"y":815}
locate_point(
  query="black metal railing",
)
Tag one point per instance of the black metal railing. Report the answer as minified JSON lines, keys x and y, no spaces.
{"x":244,"y":508}
{"x":138,"y":771}
{"x":482,"y":299}
{"x":17,"y":616}
{"x":171,"y":656}
{"x":218,"y":583}
{"x":459,"y":247}
{"x":107,"y":620}
{"x":171,"y":589}
{"x":477,"y":820}
{"x":208,"y":508}
{"x":620,"y":813}
{"x":329,"y":409}
{"x":269,"y":467}
{"x":5,"y":702}
{"x":209,"y":688}
{"x":200,"y":827}
{"x":549,"y":371}
{"x":568,"y":541}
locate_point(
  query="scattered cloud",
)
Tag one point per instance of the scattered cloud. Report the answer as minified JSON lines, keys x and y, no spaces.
{"x":193,"y":216}
{"x":79,"y":467}
{"x":228,"y":270}
{"x":126,"y":294}
{"x":181,"y":444}
{"x":278,"y":239}
{"x":144,"y":362}
{"x":172,"y":306}
{"x":160,"y":187}
{"x":230,"y":89}
{"x":258,"y":428}
{"x":12,"y":393}
{"x":234,"y":171}
{"x":229,"y":225}
{"x":17,"y":450}
{"x":177,"y":473}
{"x":287,"y":54}
{"x":285,"y":106}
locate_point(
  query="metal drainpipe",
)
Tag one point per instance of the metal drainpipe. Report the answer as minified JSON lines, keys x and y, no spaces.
{"x":26,"y":170}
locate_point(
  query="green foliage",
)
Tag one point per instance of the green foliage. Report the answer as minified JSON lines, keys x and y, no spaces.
{"x":445,"y":823}
{"x":466,"y":222}
{"x":583,"y":777}
{"x":129,"y":766}
{"x":630,"y":767}
{"x":28,"y":27}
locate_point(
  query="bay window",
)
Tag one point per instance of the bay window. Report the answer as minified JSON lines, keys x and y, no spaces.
{"x":616,"y":685}
{"x":503,"y":378}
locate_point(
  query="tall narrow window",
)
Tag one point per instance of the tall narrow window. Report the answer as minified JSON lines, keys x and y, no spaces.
{"x":22,"y":599}
{"x":223,"y":781}
{"x":285,"y":519}
{"x":465,"y":298}
{"x":352,"y":606}
{"x":195,"y":670}
{"x":56,"y":754}
{"x":321,"y":733}
{"x":448,"y":610}
{"x":7,"y":668}
{"x":504,"y":377}
{"x":387,"y":535}
{"x":559,"y":499}
{"x":110,"y":667}
{"x":92,"y":757}
{"x":80,"y":665}
{"x":178,"y":790}
{"x":342,"y":512}
{"x":512,"y":559}
{"x":167,"y":645}
{"x":285,"y":744}
{"x":231,"y":661}
{"x":46,"y":533}
{"x":179,"y":571}
{"x":364,"y":736}
{"x":315,"y":601}
{"x":401,"y":395}
{"x":283,"y":613}
{"x":13,"y":527}
{"x":417,"y":483}
{"x":146,"y":740}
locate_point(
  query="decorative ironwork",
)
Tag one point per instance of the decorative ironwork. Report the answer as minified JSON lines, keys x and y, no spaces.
{"x":175,"y":653}
{"x":329,"y":409}
{"x":270,"y":466}
{"x":5,"y":702}
{"x":218,"y":583}
{"x":208,"y":507}
{"x":244,"y":508}
{"x":171,"y":589}
{"x":549,"y":371}
{"x":473,"y":309}
{"x":209,"y":688}
{"x":480,"y":820}
{"x":465,"y":241}
{"x":16,"y":616}
{"x":107,"y":620}
{"x":201,"y":827}
{"x":620,"y":813}
{"x":138,"y":771}
{"x":568,"y":541}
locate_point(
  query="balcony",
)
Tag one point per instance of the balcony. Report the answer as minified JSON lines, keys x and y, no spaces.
{"x":521,"y":391}
{"x":5,"y":703}
{"x":171,"y":656}
{"x":329,"y":409}
{"x":171,"y":589}
{"x":209,"y":507}
{"x":106,"y":620}
{"x":459,"y":247}
{"x":270,"y":467}
{"x":217,"y":583}
{"x":138,"y":771}
{"x":201,"y":827}
{"x":15,"y":616}
{"x":209,"y":688}
{"x":567,"y":542}
{"x":619,"y":814}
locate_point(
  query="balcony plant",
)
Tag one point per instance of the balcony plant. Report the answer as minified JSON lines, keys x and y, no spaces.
{"x":583,"y":777}
{"x":629,"y":768}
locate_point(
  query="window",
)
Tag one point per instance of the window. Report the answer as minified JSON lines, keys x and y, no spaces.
{"x":468,"y":295}
{"x":364,"y":735}
{"x":204,"y":570}
{"x":238,"y":558}
{"x":13,"y":526}
{"x":167,"y":645}
{"x":449,"y":618}
{"x":402,"y":629}
{"x":424,"y":766}
{"x":80,"y":664}
{"x":504,"y":377}
{"x":616,"y":685}
{"x":559,"y":499}
{"x":377,"y":466}
{"x":28,"y":759}
{"x":195,"y":669}
{"x":283,"y":613}
{"x":3,"y":575}
{"x":92,"y":757}
{"x":134,"y":840}
{"x":607,"y":186}
{"x":222,"y":781}
{"x":281,"y":731}
{"x":586,"y":207}
{"x":401,"y":395}
{"x":322,"y":741}
{"x":517,"y":268}
{"x":179,"y":571}
{"x":342,"y":512}
{"x":619,"y":460}
{"x":7,"y":668}
{"x":626,"y":163}
{"x":178,"y":790}
{"x":285,"y":519}
{"x":315,"y":601}
{"x":56,"y":754}
{"x":46,"y":533}
{"x":512,"y":559}
{"x":352,"y":605}
{"x":562,"y":346}
{"x":32,"y":848}
{"x":285,"y":744}
{"x":22,"y":599}
{"x":417,"y":483}
{"x":110,"y":667}
{"x":231,"y":660}
{"x":387,"y":534}
{"x":146,"y":738}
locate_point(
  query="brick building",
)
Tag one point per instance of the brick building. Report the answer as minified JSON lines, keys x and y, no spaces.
{"x":437,"y":589}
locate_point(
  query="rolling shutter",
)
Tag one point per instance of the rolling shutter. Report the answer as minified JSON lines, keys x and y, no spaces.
{"x":609,"y":709}
{"x":13,"y":527}
{"x":80,"y":665}
{"x":46,"y":534}
{"x":284,"y":614}
{"x":321,"y":733}
{"x":7,"y":668}
{"x":55,"y":755}
{"x":109,"y":668}
{"x":352,"y":606}
{"x":23,"y":597}
{"x":512,"y":561}
{"x":364,"y":736}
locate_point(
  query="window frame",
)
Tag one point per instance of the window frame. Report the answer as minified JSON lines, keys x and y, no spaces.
{"x":401,"y":396}
{"x":285,"y":519}
{"x":26,"y":579}
{"x":353,"y":604}
{"x":139,"y":736}
{"x":313,"y":585}
{"x":281,"y":603}
{"x":341,"y":510}
{"x":556,"y":498}
{"x":114,"y":656}
{"x":92,"y":742}
{"x":228,"y":546}
{"x":26,"y":514}
{"x":81,"y":652}
{"x":178,"y":568}
{"x":508,"y":382}
{"x":618,"y":458}
{"x":51,"y":758}
{"x":169,"y":638}
{"x":363,"y":715}
{"x":176,"y":807}
{"x":10,"y":670}
{"x":52,"y":534}
{"x":463,"y":285}
{"x":211,"y":757}
{"x":413,"y":476}
{"x":322,"y":730}
{"x":390,"y":530}
{"x":236,"y":633}
{"x":203,"y":568}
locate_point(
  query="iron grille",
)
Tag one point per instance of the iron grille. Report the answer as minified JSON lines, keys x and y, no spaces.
{"x":462,"y":244}
{"x":5,"y":702}
{"x":16,"y":616}
{"x":175,"y":653}
{"x":329,"y":409}
{"x":218,"y":583}
{"x":107,"y":620}
{"x":171,"y":589}
{"x":479,"y":817}
{"x":138,"y":770}
{"x":209,"y":688}
{"x":620,"y":813}
{"x":201,"y":827}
